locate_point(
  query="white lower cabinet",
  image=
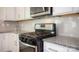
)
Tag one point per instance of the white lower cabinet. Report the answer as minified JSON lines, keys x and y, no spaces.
{"x":10,"y":42}
{"x":72,"y":50}
{"x":1,"y":39}
{"x":51,"y":47}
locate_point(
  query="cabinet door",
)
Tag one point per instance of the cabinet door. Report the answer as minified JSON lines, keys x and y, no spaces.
{"x":48,"y":48}
{"x":75,"y":9}
{"x":72,"y":50}
{"x":61,"y":10}
{"x":3,"y":13}
{"x":51,"y":47}
{"x":27,"y":13}
{"x":1,"y":38}
{"x":10,"y":13}
{"x":19,"y":13}
{"x":3,"y":44}
{"x":57,"y":10}
{"x":13,"y":42}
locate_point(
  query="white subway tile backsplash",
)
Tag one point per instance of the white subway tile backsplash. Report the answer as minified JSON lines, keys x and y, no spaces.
{"x":77,"y":17}
{"x":66,"y":25}
{"x":8,"y":27}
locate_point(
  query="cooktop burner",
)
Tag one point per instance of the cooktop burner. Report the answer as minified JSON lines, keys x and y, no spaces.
{"x":36,"y":38}
{"x":32,"y":36}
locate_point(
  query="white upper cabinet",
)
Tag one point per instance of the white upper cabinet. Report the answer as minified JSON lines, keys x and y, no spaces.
{"x":19,"y":13}
{"x":10,"y":13}
{"x":75,"y":9}
{"x":15,"y":13}
{"x":2,"y":13}
{"x":22,"y":13}
{"x":65,"y":10}
{"x":27,"y":13}
{"x":61,"y":10}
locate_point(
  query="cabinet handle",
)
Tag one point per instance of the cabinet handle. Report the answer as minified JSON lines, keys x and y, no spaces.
{"x":52,"y":49}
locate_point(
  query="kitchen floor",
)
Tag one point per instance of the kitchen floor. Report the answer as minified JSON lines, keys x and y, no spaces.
{"x":27,"y":49}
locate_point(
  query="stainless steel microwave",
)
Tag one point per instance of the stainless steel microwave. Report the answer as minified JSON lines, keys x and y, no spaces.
{"x":39,"y":11}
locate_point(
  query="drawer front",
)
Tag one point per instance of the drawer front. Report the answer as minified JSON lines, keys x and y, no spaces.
{"x":51,"y":47}
{"x":72,"y":50}
{"x":54,"y":47}
{"x":50,"y":50}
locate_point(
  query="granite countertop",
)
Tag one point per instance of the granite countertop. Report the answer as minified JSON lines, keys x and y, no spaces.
{"x":65,"y":41}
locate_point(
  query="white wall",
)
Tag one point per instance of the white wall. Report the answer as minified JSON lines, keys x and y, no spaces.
{"x":66,"y":25}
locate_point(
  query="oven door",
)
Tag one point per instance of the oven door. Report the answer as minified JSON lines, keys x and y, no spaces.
{"x":24,"y":47}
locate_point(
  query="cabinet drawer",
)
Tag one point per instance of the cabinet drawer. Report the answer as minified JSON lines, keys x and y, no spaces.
{"x":72,"y":50}
{"x":54,"y":47}
{"x":47,"y":49}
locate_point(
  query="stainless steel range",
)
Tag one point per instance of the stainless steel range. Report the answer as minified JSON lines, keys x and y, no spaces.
{"x":42,"y":30}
